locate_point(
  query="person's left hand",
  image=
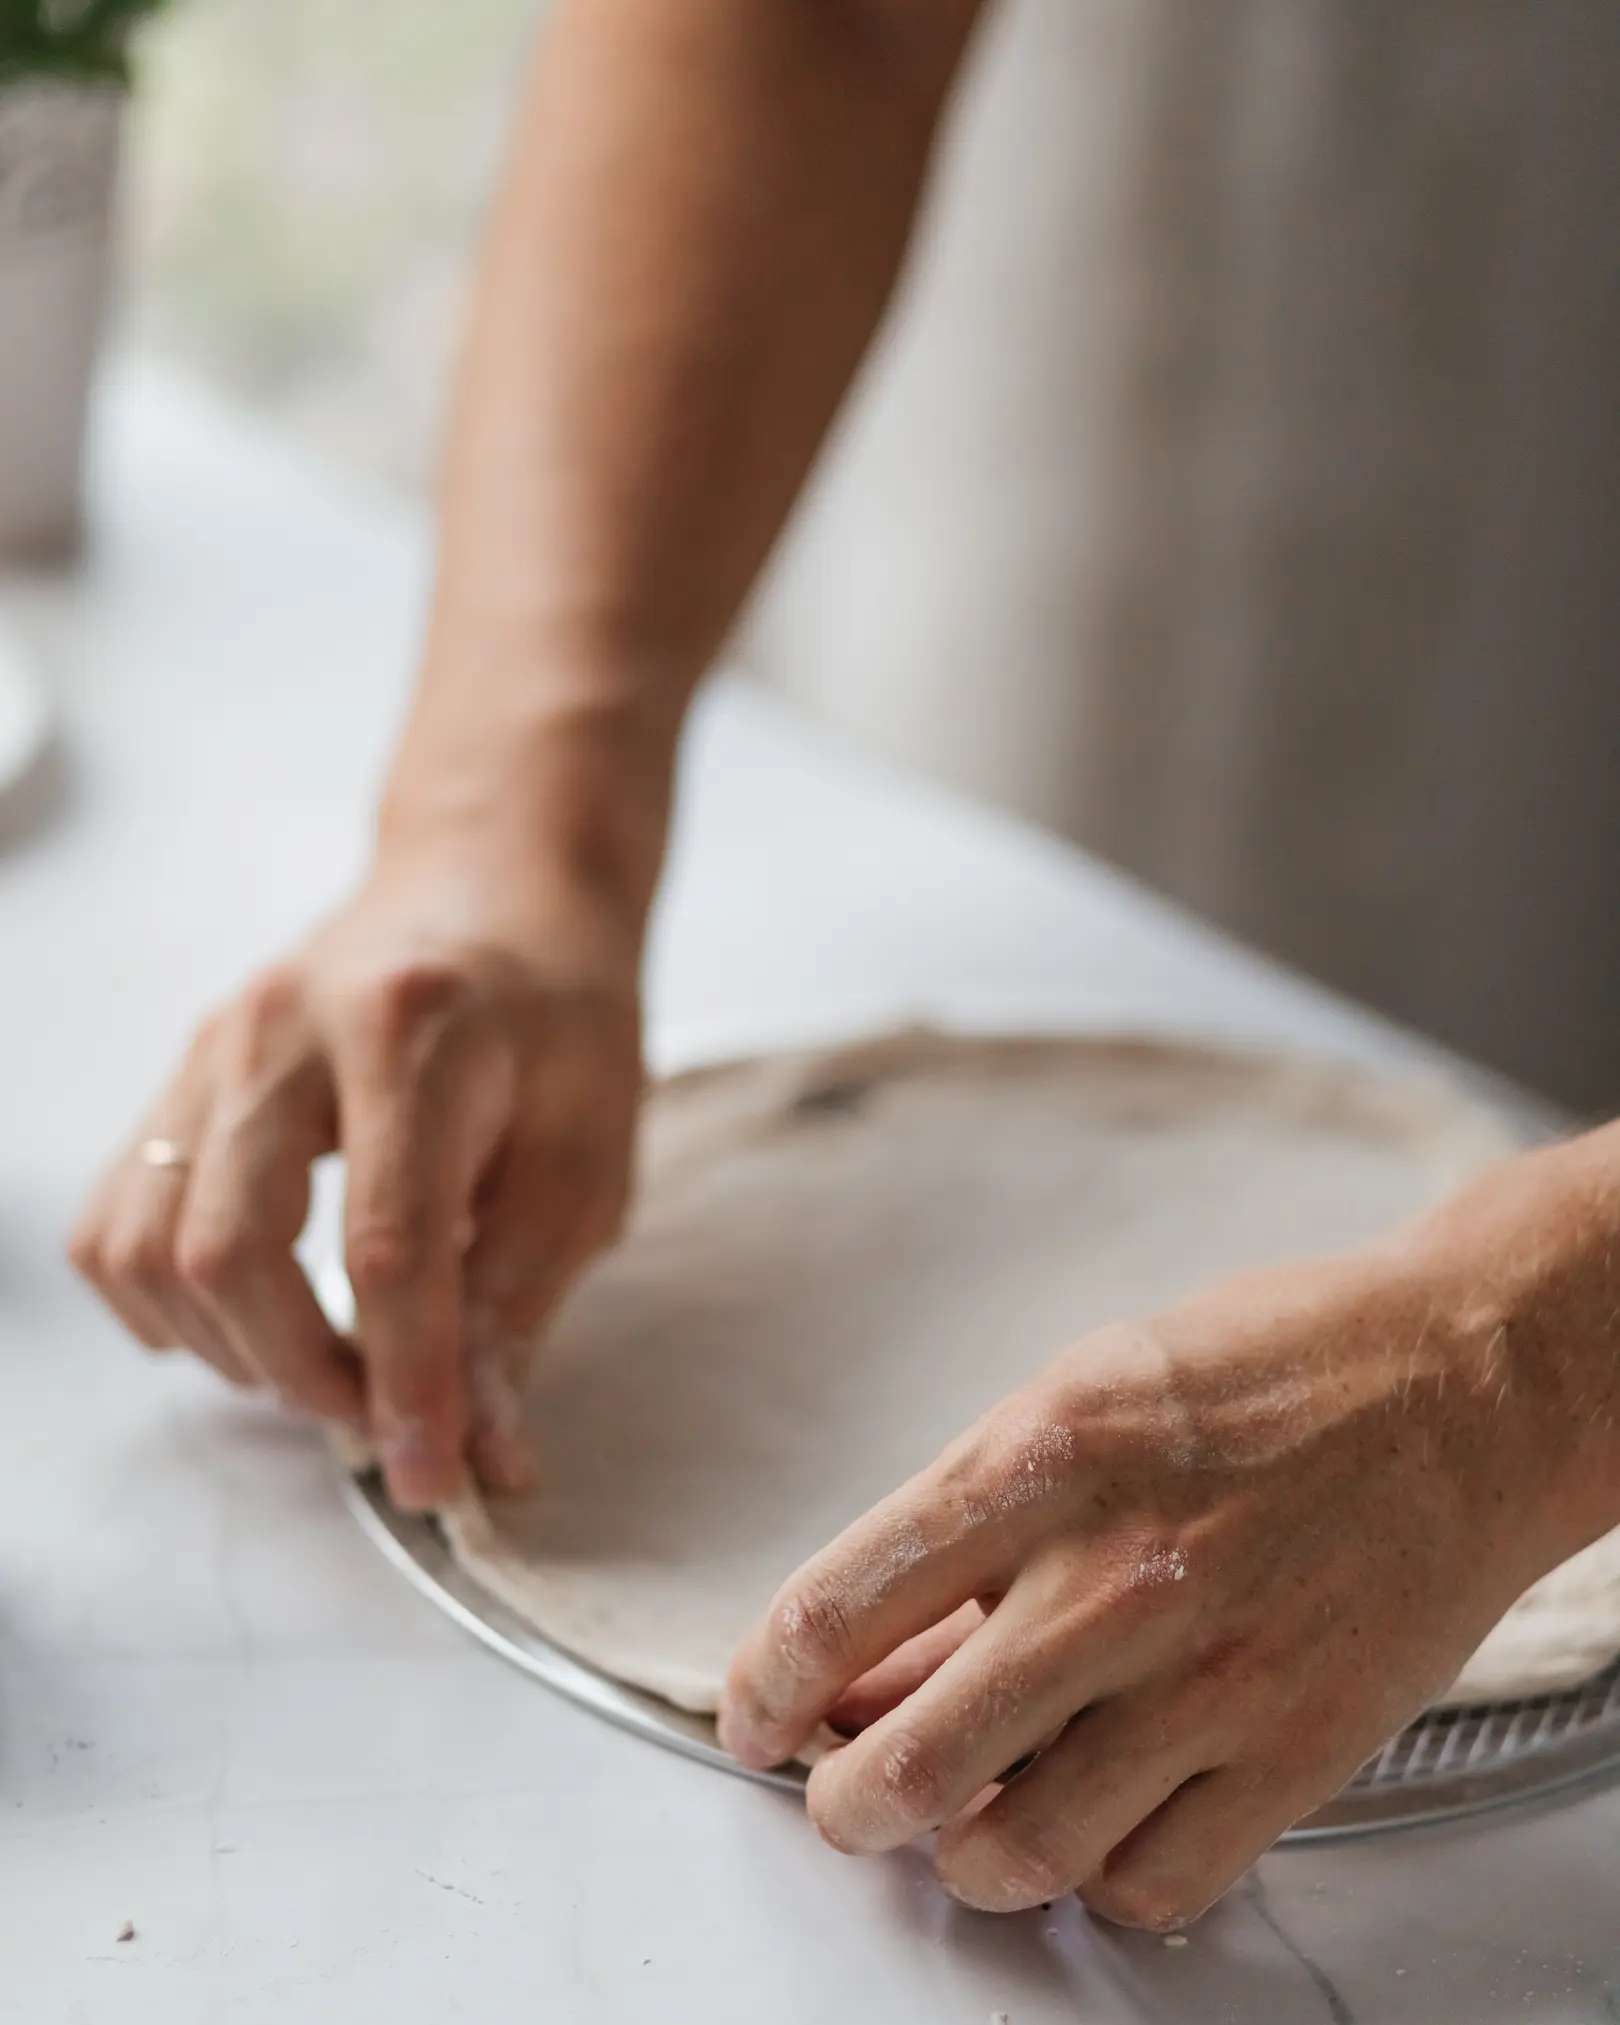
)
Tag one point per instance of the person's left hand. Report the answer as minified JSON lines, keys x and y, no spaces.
{"x":1221,"y":1557}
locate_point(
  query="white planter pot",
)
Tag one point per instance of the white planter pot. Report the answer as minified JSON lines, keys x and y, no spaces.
{"x":58,"y":165}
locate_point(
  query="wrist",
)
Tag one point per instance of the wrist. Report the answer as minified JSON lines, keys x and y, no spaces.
{"x":1521,"y":1270}
{"x":555,"y":788}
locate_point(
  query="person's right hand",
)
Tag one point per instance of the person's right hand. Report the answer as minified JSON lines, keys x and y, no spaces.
{"x":475,"y":1055}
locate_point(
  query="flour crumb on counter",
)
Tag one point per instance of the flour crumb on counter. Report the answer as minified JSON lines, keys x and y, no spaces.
{"x":1175,"y":1940}
{"x":126,"y":1932}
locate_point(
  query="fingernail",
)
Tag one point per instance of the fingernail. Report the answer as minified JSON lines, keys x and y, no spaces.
{"x":412,"y":1465}
{"x":745,"y":1734}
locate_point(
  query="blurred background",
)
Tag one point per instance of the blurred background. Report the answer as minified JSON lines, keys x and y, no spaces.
{"x":307,"y":183}
{"x":1234,"y":490}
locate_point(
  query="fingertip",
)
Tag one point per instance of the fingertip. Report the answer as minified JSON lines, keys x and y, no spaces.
{"x":419,"y":1473}
{"x":498,"y":1445}
{"x":744,"y":1732}
{"x":417,"y":1493}
{"x":82,"y":1250}
{"x":501,"y":1461}
{"x":967,"y":1875}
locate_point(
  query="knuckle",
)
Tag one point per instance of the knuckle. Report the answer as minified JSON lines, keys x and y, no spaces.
{"x":881,"y":1792}
{"x":384,"y":1256}
{"x":915,"y":1775}
{"x":963,"y":1479}
{"x":139,"y":1261}
{"x":1151,"y":1558}
{"x":393,"y":1005}
{"x":269,"y":997}
{"x":211,"y":1261}
{"x":1035,"y":1441}
{"x":1016,"y":1458}
{"x":251,"y":1034}
{"x":812,"y":1629}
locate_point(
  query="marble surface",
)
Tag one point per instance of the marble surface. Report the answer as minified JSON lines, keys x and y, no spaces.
{"x":221,"y":1717}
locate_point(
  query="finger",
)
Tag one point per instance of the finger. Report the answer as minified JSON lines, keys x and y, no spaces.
{"x":911,"y":1561}
{"x":145,"y":1323}
{"x":1189,"y":1851}
{"x":248,"y":1195}
{"x":246,"y":1206}
{"x":962,"y":1528}
{"x":417,"y":1129}
{"x":127,"y":1245}
{"x":1063,"y":1637}
{"x":140,"y":1251}
{"x":91,"y":1260}
{"x":555,"y":1192}
{"x":865,"y":1701}
{"x":543,"y":1210}
{"x":498,"y":1448}
{"x":1055,"y":1824}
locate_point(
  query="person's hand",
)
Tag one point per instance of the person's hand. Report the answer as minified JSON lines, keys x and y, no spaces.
{"x":1203,"y":1566}
{"x":473,"y":1051}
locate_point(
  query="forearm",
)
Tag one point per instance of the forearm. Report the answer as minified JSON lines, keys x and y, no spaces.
{"x":1524,"y":1264}
{"x":704,"y":216}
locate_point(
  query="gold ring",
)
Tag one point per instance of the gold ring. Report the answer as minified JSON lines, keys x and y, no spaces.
{"x":164,"y":1153}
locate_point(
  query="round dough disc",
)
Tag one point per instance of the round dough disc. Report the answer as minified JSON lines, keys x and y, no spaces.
{"x":1559,"y":1634}
{"x":838,"y":1260}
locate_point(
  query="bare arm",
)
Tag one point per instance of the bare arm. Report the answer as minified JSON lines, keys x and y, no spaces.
{"x":1347,"y":1469}
{"x":704,"y":215}
{"x":703,"y":221}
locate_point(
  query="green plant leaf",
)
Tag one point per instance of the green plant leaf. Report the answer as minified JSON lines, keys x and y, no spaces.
{"x":58,"y":38}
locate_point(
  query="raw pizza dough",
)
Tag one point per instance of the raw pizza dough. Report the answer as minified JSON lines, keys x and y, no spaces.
{"x":1557,"y":1635}
{"x":839,"y":1260}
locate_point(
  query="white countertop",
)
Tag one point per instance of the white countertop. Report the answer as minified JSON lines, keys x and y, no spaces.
{"x":220,"y":1715}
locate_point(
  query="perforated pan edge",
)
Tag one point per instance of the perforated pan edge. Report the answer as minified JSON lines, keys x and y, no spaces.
{"x":1449,"y":1763}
